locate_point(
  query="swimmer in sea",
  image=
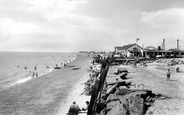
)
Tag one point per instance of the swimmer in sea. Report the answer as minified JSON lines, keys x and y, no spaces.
{"x":36,"y":74}
{"x":33,"y":74}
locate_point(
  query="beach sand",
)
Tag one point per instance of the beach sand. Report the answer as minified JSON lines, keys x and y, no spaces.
{"x":48,"y":94}
{"x":154,"y":78}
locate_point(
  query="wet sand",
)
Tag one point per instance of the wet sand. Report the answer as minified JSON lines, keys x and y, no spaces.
{"x":45,"y":95}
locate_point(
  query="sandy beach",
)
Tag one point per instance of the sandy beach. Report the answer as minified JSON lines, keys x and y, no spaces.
{"x":48,"y":94}
{"x":153,"y":77}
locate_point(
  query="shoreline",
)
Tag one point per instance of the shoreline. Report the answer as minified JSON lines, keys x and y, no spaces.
{"x":24,"y":80}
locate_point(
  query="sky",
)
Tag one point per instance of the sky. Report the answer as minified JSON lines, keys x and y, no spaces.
{"x":89,"y":25}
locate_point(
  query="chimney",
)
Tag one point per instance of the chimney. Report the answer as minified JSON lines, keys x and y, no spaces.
{"x":163,"y":44}
{"x":178,"y":44}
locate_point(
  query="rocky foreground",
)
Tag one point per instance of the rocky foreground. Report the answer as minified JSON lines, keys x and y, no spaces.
{"x":142,"y":90}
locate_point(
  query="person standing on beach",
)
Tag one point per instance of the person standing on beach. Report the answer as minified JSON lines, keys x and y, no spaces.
{"x":35,"y":68}
{"x":74,"y":109}
{"x":168,"y":74}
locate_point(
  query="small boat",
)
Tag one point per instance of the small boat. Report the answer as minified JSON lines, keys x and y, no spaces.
{"x":57,"y":67}
{"x":75,"y":68}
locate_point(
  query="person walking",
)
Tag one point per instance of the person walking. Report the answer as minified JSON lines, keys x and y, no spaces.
{"x":168,"y":74}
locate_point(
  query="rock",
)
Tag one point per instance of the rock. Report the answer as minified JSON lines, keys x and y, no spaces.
{"x":136,"y":104}
{"x":126,"y":102}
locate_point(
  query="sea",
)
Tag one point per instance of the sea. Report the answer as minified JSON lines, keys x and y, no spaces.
{"x":19,"y":67}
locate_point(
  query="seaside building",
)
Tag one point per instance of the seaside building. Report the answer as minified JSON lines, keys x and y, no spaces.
{"x":175,"y":53}
{"x":134,"y":50}
{"x":153,"y":52}
{"x":131,"y":50}
{"x":150,"y":51}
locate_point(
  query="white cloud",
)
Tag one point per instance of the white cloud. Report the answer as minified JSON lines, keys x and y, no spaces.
{"x":167,"y":18}
{"x":54,"y":9}
{"x":9,"y":26}
{"x":166,"y":23}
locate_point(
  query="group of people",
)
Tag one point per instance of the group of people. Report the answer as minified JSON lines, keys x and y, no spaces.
{"x":75,"y":109}
{"x":34,"y":74}
{"x":63,"y":64}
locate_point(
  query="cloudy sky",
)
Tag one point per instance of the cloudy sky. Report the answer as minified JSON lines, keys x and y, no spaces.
{"x":74,"y":25}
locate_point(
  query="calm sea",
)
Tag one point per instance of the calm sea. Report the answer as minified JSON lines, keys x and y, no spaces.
{"x":18,"y":67}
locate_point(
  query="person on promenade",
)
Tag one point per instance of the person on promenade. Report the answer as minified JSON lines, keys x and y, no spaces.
{"x":168,"y":74}
{"x":74,"y":109}
{"x":86,"y":107}
{"x":93,"y":62}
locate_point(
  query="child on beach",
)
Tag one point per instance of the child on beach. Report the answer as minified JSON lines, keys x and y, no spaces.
{"x":168,"y":74}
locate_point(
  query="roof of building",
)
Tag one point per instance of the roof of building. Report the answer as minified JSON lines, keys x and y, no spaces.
{"x":175,"y":50}
{"x":150,"y":48}
{"x":125,"y":47}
